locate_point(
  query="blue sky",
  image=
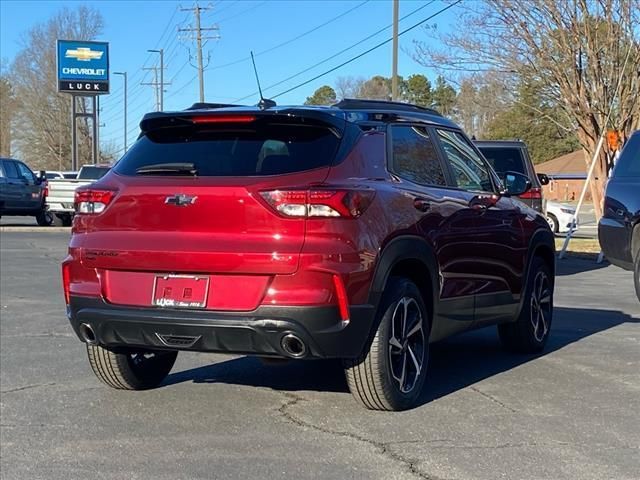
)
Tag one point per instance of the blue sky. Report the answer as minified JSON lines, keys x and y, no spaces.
{"x":132,"y":27}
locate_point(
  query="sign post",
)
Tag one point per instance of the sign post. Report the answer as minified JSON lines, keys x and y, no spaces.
{"x":83,"y":71}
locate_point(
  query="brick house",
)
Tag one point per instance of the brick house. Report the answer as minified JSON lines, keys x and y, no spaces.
{"x":567,"y":175}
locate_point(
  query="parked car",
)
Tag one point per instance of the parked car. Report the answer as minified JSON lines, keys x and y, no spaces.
{"x":619,"y":227}
{"x":22,"y":192}
{"x":513,"y":156}
{"x":362,"y":232}
{"x":560,"y":217}
{"x":62,"y":190}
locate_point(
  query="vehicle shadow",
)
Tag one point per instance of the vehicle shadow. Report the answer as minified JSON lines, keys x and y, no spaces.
{"x":572,"y":265}
{"x":454,"y":364}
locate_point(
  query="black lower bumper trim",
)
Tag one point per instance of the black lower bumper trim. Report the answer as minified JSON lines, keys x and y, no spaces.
{"x":258,"y":332}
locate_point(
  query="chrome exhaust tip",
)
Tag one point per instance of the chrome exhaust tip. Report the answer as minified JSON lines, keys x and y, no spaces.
{"x":293,"y":346}
{"x":87,"y":333}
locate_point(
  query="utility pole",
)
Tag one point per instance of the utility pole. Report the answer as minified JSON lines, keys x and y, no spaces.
{"x":153,"y":84}
{"x":197,"y":30}
{"x":394,"y":74}
{"x":161,"y":52}
{"x":124,"y":75}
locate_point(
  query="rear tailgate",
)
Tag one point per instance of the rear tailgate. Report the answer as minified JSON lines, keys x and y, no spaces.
{"x":187,"y":201}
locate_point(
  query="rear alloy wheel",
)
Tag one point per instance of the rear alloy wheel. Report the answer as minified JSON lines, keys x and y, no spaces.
{"x":130,"y":369}
{"x":529,"y":333}
{"x":44,"y":218}
{"x":390,"y":376}
{"x":553,"y":223}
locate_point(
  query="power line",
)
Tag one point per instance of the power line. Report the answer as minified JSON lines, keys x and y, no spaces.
{"x":377,"y":32}
{"x":287,"y":42}
{"x":242,"y":12}
{"x":369,"y":50}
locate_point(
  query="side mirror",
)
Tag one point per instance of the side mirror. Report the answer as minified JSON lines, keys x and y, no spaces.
{"x":515,"y":184}
{"x":41,"y":177}
{"x":543,"y":178}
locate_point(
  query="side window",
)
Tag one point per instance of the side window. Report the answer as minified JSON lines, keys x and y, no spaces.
{"x":25,"y":172}
{"x":414,"y":156}
{"x":10,"y":169}
{"x":469,"y":170}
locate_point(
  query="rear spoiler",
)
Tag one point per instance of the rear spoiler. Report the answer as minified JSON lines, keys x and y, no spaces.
{"x":334,"y":120}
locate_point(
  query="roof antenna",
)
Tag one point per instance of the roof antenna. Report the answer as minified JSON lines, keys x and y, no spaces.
{"x":264,"y":102}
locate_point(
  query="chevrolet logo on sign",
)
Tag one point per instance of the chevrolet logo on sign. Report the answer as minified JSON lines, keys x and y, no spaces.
{"x":84,"y":54}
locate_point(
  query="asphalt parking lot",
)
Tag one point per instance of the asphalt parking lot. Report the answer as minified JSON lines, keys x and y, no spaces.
{"x":570,"y":413}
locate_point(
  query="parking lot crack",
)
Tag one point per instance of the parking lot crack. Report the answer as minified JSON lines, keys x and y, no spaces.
{"x":493,"y":399}
{"x":381,"y":447}
{"x":27,"y":387}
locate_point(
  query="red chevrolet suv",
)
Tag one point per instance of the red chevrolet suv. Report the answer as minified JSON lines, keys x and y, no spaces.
{"x":363,"y":231}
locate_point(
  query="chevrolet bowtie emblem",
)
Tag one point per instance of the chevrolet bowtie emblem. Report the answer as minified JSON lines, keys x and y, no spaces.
{"x":84,"y":54}
{"x":180,"y":200}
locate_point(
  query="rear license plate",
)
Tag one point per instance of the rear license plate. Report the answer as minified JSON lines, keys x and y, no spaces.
{"x":180,"y":291}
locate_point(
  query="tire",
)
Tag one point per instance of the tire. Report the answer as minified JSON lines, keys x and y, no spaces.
{"x":391,"y":374}
{"x":530,"y":331}
{"x":44,"y":218}
{"x":63,"y":220}
{"x":553,"y":222}
{"x":636,"y":275}
{"x":130,"y":370}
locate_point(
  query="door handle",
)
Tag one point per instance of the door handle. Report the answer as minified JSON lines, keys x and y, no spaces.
{"x":421,"y":204}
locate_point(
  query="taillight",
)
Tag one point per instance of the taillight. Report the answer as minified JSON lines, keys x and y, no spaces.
{"x":66,"y":280}
{"x":92,"y":201}
{"x":319,"y":203}
{"x":533,"y":193}
{"x":223,"y":119}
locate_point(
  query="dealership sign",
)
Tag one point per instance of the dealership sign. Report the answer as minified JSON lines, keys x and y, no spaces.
{"x":83,"y":67}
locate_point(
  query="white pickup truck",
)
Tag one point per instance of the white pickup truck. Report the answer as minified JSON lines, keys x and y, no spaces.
{"x":62,"y":191}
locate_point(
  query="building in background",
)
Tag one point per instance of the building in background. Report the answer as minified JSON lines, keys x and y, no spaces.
{"x":567,"y":175}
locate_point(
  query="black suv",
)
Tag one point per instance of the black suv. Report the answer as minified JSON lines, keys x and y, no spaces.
{"x":21,"y":192}
{"x":513,"y":156}
{"x":619,"y":227}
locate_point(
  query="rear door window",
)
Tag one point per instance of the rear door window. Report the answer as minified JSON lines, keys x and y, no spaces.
{"x":10,"y":169}
{"x":628,"y":165}
{"x":414,"y":156}
{"x":226,"y":150}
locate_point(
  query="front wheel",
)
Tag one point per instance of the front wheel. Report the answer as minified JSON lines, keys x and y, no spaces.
{"x":530,"y":331}
{"x":554,"y":225}
{"x":63,"y":220}
{"x":391,"y":374}
{"x":130,"y":369}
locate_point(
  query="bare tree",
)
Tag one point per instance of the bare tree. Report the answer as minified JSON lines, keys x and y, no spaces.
{"x":43,"y":117}
{"x":7,"y":109}
{"x":578,"y":50}
{"x":349,"y":87}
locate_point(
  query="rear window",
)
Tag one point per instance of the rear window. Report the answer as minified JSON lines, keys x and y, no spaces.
{"x":92,"y":173}
{"x":267,"y":149}
{"x":504,"y":159}
{"x":628,"y":165}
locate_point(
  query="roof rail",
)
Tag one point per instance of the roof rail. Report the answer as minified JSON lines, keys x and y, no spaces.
{"x":205,"y":105}
{"x":360,"y":104}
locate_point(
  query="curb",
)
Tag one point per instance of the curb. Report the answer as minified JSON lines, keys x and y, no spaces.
{"x":35,"y":229}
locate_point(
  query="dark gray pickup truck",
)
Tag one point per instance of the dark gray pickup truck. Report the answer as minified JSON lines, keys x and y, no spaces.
{"x":21,"y":192}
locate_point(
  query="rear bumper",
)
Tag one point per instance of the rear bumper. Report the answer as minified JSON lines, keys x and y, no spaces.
{"x":615,"y":241}
{"x":259,"y":332}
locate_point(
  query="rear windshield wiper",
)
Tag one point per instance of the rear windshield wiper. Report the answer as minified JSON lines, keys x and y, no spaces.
{"x":168,"y":169}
